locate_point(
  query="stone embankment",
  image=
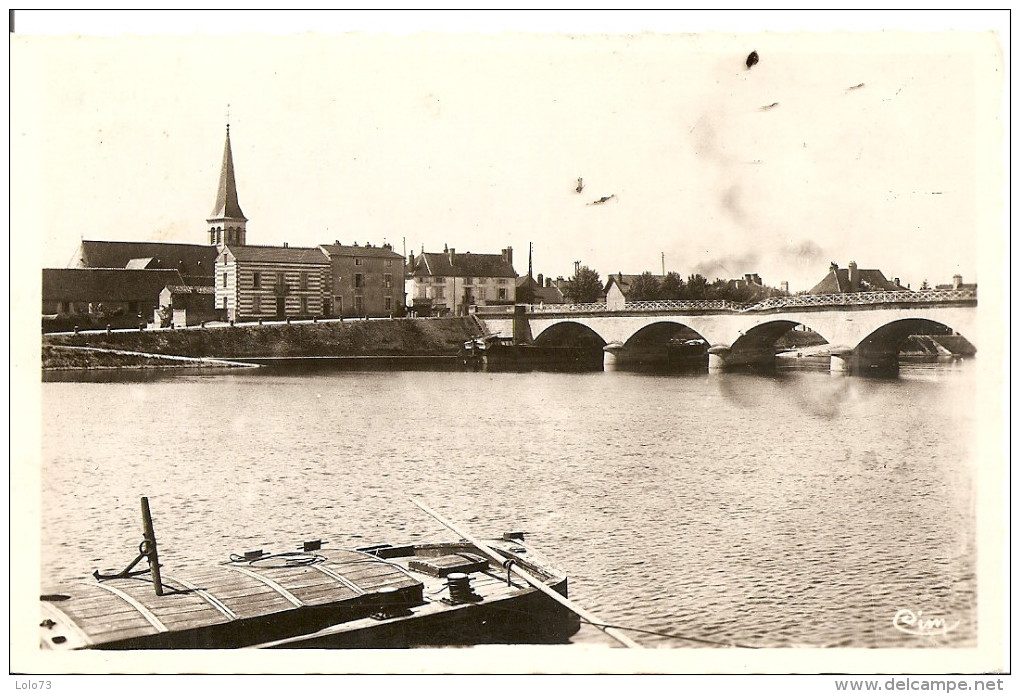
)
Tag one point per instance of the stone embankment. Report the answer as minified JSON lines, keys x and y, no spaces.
{"x":401,"y":337}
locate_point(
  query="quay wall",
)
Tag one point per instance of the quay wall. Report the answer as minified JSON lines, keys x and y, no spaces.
{"x":411,"y":337}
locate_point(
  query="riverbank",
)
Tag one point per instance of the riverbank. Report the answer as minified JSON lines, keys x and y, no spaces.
{"x":402,"y":337}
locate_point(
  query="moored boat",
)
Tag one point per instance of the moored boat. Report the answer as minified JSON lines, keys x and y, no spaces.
{"x":384,"y":596}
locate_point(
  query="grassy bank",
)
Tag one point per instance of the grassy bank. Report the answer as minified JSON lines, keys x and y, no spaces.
{"x":54,"y":357}
{"x":397,"y":337}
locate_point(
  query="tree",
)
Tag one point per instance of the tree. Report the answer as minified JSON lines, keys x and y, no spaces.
{"x":644,"y":288}
{"x":697,"y":287}
{"x":585,"y":287}
{"x":672,"y":287}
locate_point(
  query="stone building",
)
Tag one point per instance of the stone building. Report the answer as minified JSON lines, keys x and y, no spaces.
{"x":364,"y":280}
{"x":450,"y":282}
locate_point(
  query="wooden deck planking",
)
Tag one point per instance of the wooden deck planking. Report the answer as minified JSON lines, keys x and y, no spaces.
{"x":105,"y":626}
{"x":190,"y":620}
{"x":113,"y":606}
{"x":258,"y":605}
{"x":126,"y":633}
{"x":323,"y":595}
{"x":293,"y":582}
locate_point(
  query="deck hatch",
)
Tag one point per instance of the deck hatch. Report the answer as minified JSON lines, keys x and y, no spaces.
{"x":463,"y":562}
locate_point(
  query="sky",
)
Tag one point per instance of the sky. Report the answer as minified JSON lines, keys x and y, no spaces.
{"x":881,"y":147}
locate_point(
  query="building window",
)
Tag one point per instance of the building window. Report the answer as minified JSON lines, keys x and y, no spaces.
{"x":502,"y":280}
{"x":304,"y":280}
{"x":387,"y":280}
{"x":469,"y":280}
{"x":280,"y":280}
{"x":389,"y":303}
{"x":224,"y":302}
{"x":389,"y":263}
{"x":358,"y":261}
{"x":224,"y":279}
{"x":358,"y":305}
{"x":359,"y":280}
{"x":256,"y":280}
{"x":304,"y":305}
{"x":439,"y":280}
{"x":502,"y":294}
{"x":439,"y":293}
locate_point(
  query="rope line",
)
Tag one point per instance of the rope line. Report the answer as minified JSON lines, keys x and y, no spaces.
{"x":668,"y":636}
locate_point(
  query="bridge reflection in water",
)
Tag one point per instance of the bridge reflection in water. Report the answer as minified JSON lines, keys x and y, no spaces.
{"x":866,"y":333}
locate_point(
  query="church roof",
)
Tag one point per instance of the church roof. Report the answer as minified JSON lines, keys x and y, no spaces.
{"x":227,"y":206}
{"x":193,"y":261}
{"x":105,"y":284}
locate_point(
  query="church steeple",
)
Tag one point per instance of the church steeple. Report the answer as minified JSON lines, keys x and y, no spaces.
{"x":227,"y":221}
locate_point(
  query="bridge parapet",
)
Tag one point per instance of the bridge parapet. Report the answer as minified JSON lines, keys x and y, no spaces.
{"x":926,"y":296}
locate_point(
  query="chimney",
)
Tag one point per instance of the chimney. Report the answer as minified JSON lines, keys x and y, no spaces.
{"x":285,"y":244}
{"x":855,"y":277}
{"x":541,"y":281}
{"x":410,"y":259}
{"x":508,"y":255}
{"x":896,"y":281}
{"x":336,"y":242}
{"x":833,"y":267}
{"x":548,"y":281}
{"x":957,"y":281}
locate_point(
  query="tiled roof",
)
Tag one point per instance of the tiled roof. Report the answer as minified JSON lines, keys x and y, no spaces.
{"x":103,"y":284}
{"x":192,"y":260}
{"x":462,"y":265}
{"x":279,"y":254}
{"x":623,"y":281}
{"x":334,"y":249}
{"x":838,"y":282}
{"x":539,"y":294}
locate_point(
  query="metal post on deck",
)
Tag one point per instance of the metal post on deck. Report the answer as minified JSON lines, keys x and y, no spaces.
{"x":149,"y":546}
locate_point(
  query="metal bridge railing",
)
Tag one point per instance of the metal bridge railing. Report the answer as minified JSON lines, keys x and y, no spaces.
{"x":925,"y":296}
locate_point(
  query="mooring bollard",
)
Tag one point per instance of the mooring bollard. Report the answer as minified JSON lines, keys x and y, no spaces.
{"x":260,"y":321}
{"x":315,"y":319}
{"x":288,"y":320}
{"x":76,"y":330}
{"x":109,"y":330}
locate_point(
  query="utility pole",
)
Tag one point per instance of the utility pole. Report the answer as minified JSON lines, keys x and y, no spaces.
{"x":663,"y":263}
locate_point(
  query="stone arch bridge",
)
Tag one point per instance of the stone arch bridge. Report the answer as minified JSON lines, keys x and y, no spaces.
{"x":863,"y":330}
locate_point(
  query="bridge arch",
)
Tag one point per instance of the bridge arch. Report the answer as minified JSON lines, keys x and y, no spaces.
{"x":663,"y":333}
{"x":763,"y":336}
{"x":891,"y":337}
{"x":570,"y":334}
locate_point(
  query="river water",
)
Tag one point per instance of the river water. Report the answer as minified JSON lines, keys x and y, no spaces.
{"x":798,"y":509}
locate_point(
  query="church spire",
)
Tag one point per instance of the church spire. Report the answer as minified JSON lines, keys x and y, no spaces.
{"x":227,"y":221}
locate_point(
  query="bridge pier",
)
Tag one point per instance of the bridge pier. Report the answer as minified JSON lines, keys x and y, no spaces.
{"x":723,"y":358}
{"x":839,"y":360}
{"x":717,"y":355}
